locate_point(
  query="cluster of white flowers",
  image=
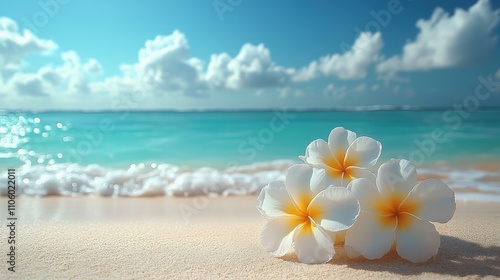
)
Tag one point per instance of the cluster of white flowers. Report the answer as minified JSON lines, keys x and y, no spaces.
{"x":334,"y":197}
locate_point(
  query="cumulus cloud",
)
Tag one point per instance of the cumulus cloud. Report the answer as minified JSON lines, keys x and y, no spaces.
{"x":353,"y":64}
{"x":92,"y":66}
{"x":15,"y":45}
{"x":72,"y":77}
{"x":287,"y":91}
{"x":447,"y":41}
{"x":30,"y":85}
{"x":165,"y":65}
{"x":335,"y":92}
{"x":360,"y":88}
{"x":251,"y":68}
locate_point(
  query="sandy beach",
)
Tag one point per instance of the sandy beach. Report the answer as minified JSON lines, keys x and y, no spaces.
{"x":201,"y":237}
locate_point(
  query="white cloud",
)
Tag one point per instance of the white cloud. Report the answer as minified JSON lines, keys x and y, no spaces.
{"x":299,"y":93}
{"x":259,"y":92}
{"x":284,"y":92}
{"x":336,"y":92}
{"x":251,"y":68}
{"x":72,"y":77}
{"x":14,"y":45}
{"x":360,"y":88}
{"x":290,"y":92}
{"x":29,"y":84}
{"x":92,"y":66}
{"x":165,"y":66}
{"x":48,"y":81}
{"x":447,"y":41}
{"x":352,"y":64}
{"x":340,"y":92}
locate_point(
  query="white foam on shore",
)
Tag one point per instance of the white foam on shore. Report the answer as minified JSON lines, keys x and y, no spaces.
{"x":144,"y":180}
{"x":469,"y":184}
{"x":165,"y":179}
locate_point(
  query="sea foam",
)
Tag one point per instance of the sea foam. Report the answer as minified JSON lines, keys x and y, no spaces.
{"x":144,"y":180}
{"x":170,"y":180}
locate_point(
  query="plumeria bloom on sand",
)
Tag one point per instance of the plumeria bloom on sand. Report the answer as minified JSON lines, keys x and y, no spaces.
{"x":344,"y":157}
{"x":394,"y":209}
{"x":301,"y":210}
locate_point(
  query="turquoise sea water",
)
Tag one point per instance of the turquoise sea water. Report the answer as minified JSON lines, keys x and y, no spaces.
{"x":220,"y":139}
{"x":193,"y":153}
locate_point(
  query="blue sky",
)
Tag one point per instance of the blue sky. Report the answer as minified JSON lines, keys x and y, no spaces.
{"x":68,"y":54}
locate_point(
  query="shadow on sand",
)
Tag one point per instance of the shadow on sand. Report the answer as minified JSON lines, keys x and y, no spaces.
{"x":456,"y":257}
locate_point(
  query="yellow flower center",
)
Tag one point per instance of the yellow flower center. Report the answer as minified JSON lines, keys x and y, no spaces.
{"x":304,"y":215}
{"x":393,"y":212}
{"x":339,"y":169}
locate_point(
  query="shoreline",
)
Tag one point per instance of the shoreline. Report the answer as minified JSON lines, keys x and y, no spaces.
{"x":130,"y":238}
{"x":172,"y":181}
{"x":181,"y":210}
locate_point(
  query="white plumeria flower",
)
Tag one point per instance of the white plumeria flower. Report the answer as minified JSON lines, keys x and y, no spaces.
{"x":394,"y":209}
{"x":300,"y":209}
{"x":344,"y":157}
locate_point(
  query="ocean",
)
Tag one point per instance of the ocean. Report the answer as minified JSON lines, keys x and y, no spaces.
{"x":232,"y":153}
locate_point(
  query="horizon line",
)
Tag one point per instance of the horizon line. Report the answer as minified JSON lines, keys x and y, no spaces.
{"x":225,"y":110}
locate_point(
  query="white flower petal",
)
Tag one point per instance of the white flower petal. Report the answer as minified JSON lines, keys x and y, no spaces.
{"x":303,"y":158}
{"x":434,"y":199}
{"x":354,"y":172}
{"x":319,"y":180}
{"x":366,"y":193}
{"x":351,"y":253}
{"x":369,"y":237}
{"x":318,"y":152}
{"x":418,"y":241}
{"x":396,"y":178}
{"x":363,"y":152}
{"x":312,"y":244}
{"x":334,"y":209}
{"x":339,"y":140}
{"x":298,"y":185}
{"x":335,"y":176}
{"x":274,"y":201}
{"x":277,"y":235}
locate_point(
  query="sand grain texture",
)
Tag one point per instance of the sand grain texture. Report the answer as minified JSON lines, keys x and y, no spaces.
{"x":200,"y":238}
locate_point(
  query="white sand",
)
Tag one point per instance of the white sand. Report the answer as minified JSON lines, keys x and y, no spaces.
{"x":148,"y":238}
